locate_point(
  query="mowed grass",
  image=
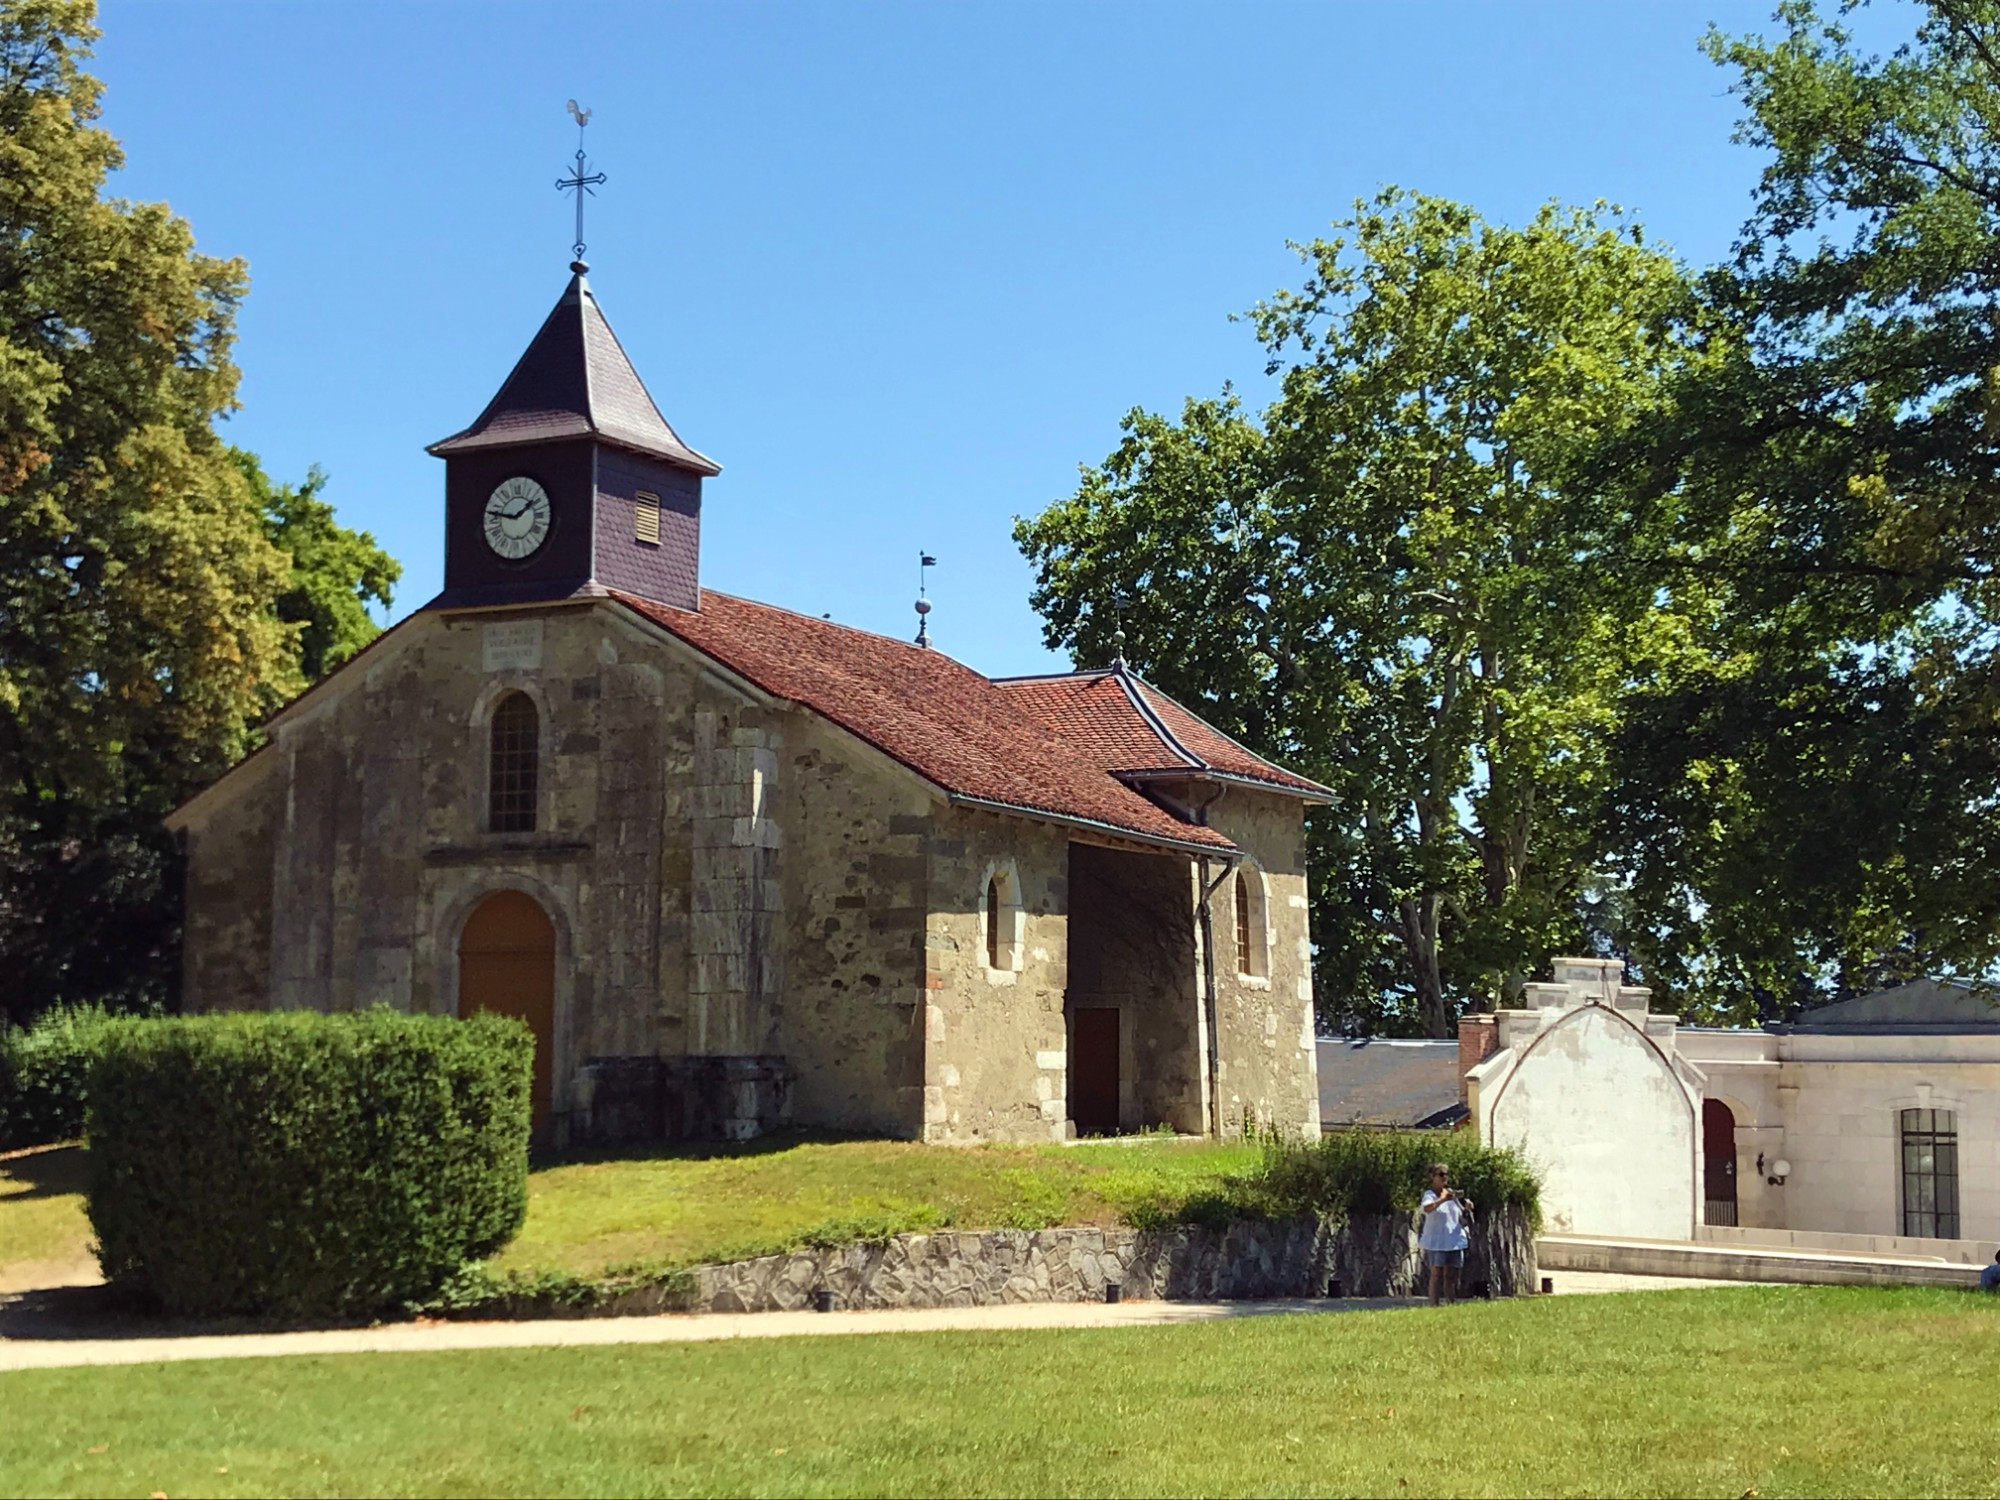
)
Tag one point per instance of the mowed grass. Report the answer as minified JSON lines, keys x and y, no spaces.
{"x":1776,"y":1391}
{"x":41,"y":1207}
{"x":685,"y":1207}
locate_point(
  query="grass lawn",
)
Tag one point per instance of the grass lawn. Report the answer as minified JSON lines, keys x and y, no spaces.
{"x":703,"y":1206}
{"x":718,"y":1204}
{"x":41,"y":1207}
{"x":1776,"y":1391}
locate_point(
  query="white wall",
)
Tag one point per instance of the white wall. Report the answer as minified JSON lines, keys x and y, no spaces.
{"x":1600,"y":1111}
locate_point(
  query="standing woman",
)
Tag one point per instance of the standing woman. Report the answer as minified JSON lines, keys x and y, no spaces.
{"x":1443,"y":1239}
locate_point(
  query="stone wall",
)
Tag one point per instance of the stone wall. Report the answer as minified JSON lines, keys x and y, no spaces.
{"x":1268,"y":1062}
{"x":1371,"y":1255}
{"x":855,"y":891}
{"x":996,"y":1057}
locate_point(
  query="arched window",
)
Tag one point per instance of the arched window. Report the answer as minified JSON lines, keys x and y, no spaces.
{"x":513,"y":765}
{"x":1253,"y":959}
{"x":993,"y":943}
{"x":1242,"y":925}
{"x":1005,"y":921}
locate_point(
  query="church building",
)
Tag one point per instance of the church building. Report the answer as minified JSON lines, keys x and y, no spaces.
{"x":737,"y":867}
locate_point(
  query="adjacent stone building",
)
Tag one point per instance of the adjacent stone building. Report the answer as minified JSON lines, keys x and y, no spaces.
{"x":739,"y":867}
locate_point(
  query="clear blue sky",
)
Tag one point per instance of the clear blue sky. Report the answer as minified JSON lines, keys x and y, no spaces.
{"x":899,"y":268}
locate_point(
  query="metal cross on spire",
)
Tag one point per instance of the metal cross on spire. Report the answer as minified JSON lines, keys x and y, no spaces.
{"x":580,"y":181}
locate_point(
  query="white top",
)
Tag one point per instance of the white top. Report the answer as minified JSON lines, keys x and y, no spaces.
{"x":1444,"y":1226}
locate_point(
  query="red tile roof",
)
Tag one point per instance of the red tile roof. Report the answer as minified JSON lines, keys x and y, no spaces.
{"x":972,"y":737}
{"x":1129,"y":726}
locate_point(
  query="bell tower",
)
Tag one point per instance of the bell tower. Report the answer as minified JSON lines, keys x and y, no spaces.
{"x":571,"y":482}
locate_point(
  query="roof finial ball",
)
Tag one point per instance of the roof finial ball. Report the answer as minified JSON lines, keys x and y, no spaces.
{"x":1118,"y":649}
{"x":925,"y":562}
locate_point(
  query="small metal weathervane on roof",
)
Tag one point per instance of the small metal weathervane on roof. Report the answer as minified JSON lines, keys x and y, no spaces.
{"x":925,"y":562}
{"x":580,"y":181}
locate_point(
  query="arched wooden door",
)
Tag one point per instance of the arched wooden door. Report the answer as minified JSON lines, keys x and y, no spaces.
{"x":1718,"y":1160}
{"x":507,"y":964}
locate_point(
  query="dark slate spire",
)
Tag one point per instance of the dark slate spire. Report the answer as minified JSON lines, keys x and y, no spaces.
{"x":575,"y":381}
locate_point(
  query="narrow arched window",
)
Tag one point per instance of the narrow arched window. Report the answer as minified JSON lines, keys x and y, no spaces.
{"x":995,"y":938}
{"x":1243,"y":926}
{"x":1005,"y":922}
{"x":513,"y":765}
{"x":1253,"y":935}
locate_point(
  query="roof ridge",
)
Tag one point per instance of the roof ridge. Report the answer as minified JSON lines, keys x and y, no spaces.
{"x":927,"y":652}
{"x":584,"y":302}
{"x":515,"y":369}
{"x":1076,"y":675}
{"x":1130,"y":683}
{"x":1218,"y":733}
{"x":645,"y":390}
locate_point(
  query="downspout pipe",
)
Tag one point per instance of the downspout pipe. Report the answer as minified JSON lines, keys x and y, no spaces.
{"x":1206,"y":917}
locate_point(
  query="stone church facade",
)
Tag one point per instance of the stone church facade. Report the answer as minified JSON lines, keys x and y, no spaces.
{"x":738,"y":867}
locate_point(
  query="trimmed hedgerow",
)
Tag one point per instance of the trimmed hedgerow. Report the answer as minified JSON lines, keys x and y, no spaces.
{"x":1386,"y":1171}
{"x":1348,"y":1172}
{"x":44,"y":1071}
{"x":305,"y":1166}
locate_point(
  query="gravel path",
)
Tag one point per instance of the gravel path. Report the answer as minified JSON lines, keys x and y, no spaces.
{"x":49,"y":1353}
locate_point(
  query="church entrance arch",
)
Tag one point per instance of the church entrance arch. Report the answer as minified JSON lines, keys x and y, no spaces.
{"x":507,"y":965}
{"x":1718,"y":1160}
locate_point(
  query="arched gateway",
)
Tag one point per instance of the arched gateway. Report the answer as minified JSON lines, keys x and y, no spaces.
{"x":507,"y":965}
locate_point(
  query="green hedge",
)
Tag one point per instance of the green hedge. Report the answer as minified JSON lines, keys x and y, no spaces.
{"x":1349,"y":1172}
{"x":44,"y":1070}
{"x":305,"y":1166}
{"x":1386,"y":1171}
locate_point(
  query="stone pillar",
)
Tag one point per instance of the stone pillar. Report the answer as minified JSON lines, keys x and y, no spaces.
{"x":736,"y":981}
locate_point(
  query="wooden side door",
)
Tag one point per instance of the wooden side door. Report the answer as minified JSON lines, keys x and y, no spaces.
{"x":1093,"y":1069}
{"x":507,"y":964}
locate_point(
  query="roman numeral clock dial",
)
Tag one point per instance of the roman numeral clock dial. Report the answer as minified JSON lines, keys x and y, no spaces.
{"x":517,"y":518}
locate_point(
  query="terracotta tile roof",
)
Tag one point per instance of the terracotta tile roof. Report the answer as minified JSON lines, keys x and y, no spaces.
{"x":575,"y":381}
{"x":961,"y":731}
{"x":1129,"y":726}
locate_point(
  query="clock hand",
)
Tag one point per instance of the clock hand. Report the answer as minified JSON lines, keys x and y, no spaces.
{"x":515,"y":515}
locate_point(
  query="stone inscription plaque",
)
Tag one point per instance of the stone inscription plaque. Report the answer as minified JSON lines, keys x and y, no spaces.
{"x":515,"y":646}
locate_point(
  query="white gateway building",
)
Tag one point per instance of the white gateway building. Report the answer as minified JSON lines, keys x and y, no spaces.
{"x":1870,"y":1126}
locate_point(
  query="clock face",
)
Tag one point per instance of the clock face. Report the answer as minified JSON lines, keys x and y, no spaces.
{"x":517,"y":518}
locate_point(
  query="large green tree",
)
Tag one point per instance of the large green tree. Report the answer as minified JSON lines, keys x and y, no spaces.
{"x":141,"y":631}
{"x":1409,"y":578}
{"x":1808,"y":798}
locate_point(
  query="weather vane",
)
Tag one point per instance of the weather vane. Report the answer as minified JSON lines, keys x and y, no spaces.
{"x":581,"y":180}
{"x":925,"y":562}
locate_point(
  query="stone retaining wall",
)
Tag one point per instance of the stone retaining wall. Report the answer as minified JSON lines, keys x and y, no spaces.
{"x":1371,"y":1255}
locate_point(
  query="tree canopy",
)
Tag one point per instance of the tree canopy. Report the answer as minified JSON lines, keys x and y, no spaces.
{"x":150,"y":615}
{"x":1622,"y":607}
{"x":1406,"y":578}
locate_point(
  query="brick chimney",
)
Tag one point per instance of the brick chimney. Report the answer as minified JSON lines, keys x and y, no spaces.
{"x":1478,"y":1039}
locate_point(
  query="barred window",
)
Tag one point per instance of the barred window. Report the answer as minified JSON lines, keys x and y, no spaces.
{"x":1930,"y":1174}
{"x":513,"y":765}
{"x":646,"y":519}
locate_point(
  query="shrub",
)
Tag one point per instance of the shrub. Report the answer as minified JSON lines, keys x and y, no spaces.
{"x":44,"y":1071}
{"x":309,"y":1166}
{"x":1386,"y":1171}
